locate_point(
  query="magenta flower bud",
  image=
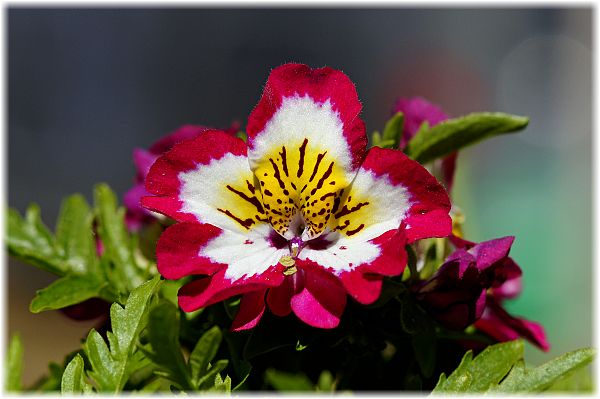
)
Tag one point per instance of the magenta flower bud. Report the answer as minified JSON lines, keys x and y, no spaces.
{"x":417,"y":110}
{"x":456,"y":294}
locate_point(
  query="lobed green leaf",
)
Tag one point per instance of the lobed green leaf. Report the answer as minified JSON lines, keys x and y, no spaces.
{"x":66,"y":291}
{"x":29,"y":240}
{"x":393,"y":129}
{"x":163,"y":332}
{"x":392,"y":132}
{"x":484,"y":371}
{"x":117,"y":242}
{"x":74,"y":235}
{"x":73,"y":379}
{"x":523,"y":380}
{"x":112,"y":367}
{"x":500,"y":369}
{"x":207,"y":381}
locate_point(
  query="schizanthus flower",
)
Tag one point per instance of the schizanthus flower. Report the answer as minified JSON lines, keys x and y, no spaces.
{"x":470,"y":287}
{"x":298,"y":217}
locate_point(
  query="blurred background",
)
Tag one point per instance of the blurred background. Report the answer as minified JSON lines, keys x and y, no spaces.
{"x":86,"y":86}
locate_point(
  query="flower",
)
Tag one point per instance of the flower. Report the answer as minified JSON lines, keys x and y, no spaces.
{"x":136,"y":216}
{"x":416,"y":111}
{"x":456,"y":294}
{"x":300,"y":216}
{"x":458,"y":298}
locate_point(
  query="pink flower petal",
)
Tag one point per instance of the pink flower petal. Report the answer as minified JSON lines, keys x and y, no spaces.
{"x":321,"y":85}
{"x":214,"y":144}
{"x":252,"y":307}
{"x":135,"y":215}
{"x":427,"y":215}
{"x":208,"y":180}
{"x":179,"y":247}
{"x":364,"y":283}
{"x":500,"y":325}
{"x":490,"y":252}
{"x":279,"y":298}
{"x":322,"y":300}
{"x":363,"y":287}
{"x":209,"y":290}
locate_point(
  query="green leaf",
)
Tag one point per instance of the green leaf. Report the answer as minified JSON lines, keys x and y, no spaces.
{"x":207,"y":380}
{"x":579,"y":380}
{"x":112,"y":367}
{"x":203,"y":353}
{"x":66,"y":291}
{"x":242,"y":135}
{"x":376,"y":139}
{"x":163,"y":332}
{"x":326,"y":382}
{"x":74,"y":234}
{"x":222,"y":385}
{"x":488,"y":371}
{"x":523,"y":380}
{"x":300,"y":347}
{"x":454,"y":134}
{"x":283,"y":382}
{"x":484,"y":371}
{"x":14,"y":364}
{"x":73,"y":379}
{"x":29,"y":240}
{"x":392,"y":133}
{"x":116,"y":240}
{"x":393,"y":129}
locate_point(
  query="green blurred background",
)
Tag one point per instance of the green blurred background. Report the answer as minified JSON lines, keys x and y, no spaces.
{"x":86,"y":86}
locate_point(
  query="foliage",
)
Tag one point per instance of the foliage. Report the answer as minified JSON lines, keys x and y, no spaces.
{"x":391,"y":132}
{"x":112,"y":365}
{"x":500,"y":368}
{"x":72,"y":253}
{"x":198,"y":373}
